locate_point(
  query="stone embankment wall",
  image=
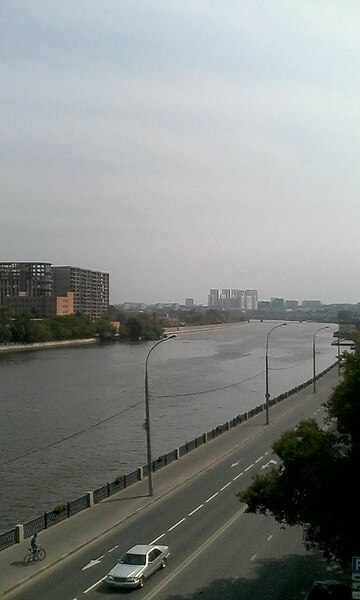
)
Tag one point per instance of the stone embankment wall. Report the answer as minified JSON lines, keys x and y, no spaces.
{"x":43,"y":345}
{"x":194,"y":328}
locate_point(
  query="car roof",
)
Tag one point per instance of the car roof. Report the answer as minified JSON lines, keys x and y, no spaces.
{"x":141,"y":549}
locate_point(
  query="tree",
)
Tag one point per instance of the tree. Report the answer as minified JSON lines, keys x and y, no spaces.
{"x":313,"y":487}
{"x":40,"y":331}
{"x":105,"y":330}
{"x":132,"y":329}
{"x":150,"y":328}
{"x":5,"y":325}
{"x":344,"y":403}
{"x":21,"y":329}
{"x":142,"y":327}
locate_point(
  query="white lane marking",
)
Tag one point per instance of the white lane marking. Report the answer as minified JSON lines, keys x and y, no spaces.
{"x":92,"y":563}
{"x":225,"y":486}
{"x":94,"y":585}
{"x":191,"y":557}
{"x":235,"y":464}
{"x":259,"y":459}
{"x":100,"y":557}
{"x":195,"y":510}
{"x":269,"y":538}
{"x":176,"y":524}
{"x":157,"y":539}
{"x":211,"y":497}
{"x":271,"y":462}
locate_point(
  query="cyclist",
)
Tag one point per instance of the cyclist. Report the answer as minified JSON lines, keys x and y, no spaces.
{"x":34,"y":545}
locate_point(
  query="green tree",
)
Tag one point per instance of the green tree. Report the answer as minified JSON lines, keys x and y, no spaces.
{"x":105,"y":330}
{"x":150,"y":328}
{"x":132,"y":329}
{"x":39,"y":331}
{"x":21,"y":329}
{"x":142,"y":327}
{"x":313,"y":486}
{"x":71,"y":327}
{"x":5,"y":325}
{"x":344,"y":403}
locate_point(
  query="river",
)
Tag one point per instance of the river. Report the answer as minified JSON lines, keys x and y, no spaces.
{"x":72,"y":418}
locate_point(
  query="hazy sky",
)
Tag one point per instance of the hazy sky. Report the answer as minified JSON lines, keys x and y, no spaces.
{"x":184,"y":145}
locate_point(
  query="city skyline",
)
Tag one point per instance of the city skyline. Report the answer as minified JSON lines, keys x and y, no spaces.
{"x":178,"y":145}
{"x":226,"y":292}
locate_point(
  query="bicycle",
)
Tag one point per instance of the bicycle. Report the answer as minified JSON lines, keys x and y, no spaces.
{"x":38,"y":555}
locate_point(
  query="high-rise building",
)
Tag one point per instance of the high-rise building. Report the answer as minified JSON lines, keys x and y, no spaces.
{"x":214,"y":297}
{"x":229,"y":298}
{"x":27,"y":287}
{"x":42,"y":290}
{"x":90,"y":289}
{"x":251,"y":299}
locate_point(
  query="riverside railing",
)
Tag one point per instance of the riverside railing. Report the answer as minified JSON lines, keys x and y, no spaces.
{"x":68,"y":509}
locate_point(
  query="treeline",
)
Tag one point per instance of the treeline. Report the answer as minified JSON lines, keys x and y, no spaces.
{"x":209,"y":316}
{"x":22,"y":328}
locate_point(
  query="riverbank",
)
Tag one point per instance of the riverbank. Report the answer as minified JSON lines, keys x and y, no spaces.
{"x":193,"y":328}
{"x":85,"y":342}
{"x":43,"y":345}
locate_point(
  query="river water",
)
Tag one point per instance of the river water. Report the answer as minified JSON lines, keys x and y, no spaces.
{"x":71,"y":419}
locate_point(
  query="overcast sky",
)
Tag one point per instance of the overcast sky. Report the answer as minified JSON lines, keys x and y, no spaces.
{"x":183,"y":145}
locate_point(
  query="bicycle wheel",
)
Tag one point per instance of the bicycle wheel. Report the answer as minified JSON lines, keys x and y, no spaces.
{"x":41,"y":554}
{"x":27,"y":559}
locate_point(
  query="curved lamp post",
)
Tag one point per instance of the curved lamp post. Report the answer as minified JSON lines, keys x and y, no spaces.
{"x":147,"y":415}
{"x":339,"y":356}
{"x":314,"y":367}
{"x":267,"y":395}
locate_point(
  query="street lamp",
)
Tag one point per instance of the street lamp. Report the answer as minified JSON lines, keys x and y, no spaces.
{"x":339,"y":355}
{"x":147,"y":415}
{"x":314,"y":370}
{"x":267,"y":395}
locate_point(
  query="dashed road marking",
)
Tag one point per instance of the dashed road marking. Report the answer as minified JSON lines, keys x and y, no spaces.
{"x":176,"y":524}
{"x":195,"y":510}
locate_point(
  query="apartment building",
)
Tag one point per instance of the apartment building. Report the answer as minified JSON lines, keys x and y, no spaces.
{"x":27,"y":287}
{"x":42,"y":290}
{"x":90,"y":289}
{"x":229,"y":298}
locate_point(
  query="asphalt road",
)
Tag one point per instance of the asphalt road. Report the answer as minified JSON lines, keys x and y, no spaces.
{"x":217,"y":550}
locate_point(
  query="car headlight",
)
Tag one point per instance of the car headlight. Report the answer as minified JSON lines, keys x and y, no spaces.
{"x":110,"y":578}
{"x":132,"y":579}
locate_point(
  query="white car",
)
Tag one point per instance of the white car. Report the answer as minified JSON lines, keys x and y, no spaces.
{"x":138,"y":564}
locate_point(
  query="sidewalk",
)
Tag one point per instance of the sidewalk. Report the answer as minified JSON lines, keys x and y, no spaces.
{"x":72,"y":534}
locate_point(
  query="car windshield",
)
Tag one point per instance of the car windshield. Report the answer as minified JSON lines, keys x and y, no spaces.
{"x":133,"y":559}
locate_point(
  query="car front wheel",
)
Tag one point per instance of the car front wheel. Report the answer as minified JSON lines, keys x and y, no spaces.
{"x":141,"y":582}
{"x":163,"y":563}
